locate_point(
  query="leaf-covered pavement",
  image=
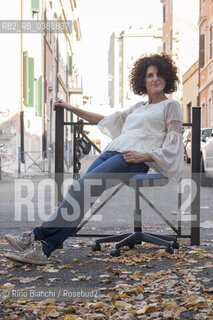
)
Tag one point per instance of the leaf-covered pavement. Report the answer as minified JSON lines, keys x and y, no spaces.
{"x":144,"y":283}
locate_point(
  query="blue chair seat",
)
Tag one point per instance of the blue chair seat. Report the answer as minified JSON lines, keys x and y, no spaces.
{"x":149,"y":180}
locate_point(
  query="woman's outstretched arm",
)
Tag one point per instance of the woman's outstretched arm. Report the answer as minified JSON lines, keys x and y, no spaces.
{"x":86,"y":115}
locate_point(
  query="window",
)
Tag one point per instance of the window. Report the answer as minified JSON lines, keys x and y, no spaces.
{"x":203,"y":115}
{"x":170,"y":5}
{"x":164,"y":18}
{"x":25,"y":86}
{"x":167,"y":43}
{"x":210,"y":42}
{"x":39,"y":97}
{"x":210,"y":113}
{"x":170,"y":40}
{"x":167,"y":4}
{"x":202,"y":51}
{"x":189,"y":112}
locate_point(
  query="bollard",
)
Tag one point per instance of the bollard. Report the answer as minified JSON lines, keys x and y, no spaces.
{"x":195,"y":176}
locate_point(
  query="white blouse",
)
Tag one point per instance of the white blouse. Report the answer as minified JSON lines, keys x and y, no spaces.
{"x":149,"y":128}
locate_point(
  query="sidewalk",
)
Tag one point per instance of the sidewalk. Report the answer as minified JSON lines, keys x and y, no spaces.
{"x":35,"y":171}
{"x":143,"y":283}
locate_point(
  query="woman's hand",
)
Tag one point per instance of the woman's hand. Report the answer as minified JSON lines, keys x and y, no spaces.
{"x":86,"y":115}
{"x":60,"y":103}
{"x":136,"y":157}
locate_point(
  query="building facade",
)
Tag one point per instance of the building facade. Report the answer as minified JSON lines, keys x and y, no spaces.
{"x":125,"y":48}
{"x":38,"y":68}
{"x":206,"y":62}
{"x":190,"y":91}
{"x":180,"y":35}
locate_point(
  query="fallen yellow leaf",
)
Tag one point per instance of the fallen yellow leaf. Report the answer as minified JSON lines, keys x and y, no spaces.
{"x":123,"y":304}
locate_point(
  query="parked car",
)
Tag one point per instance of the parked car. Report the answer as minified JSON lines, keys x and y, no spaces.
{"x":206,"y":163}
{"x":188,"y":151}
{"x":205,"y":133}
{"x":186,"y":139}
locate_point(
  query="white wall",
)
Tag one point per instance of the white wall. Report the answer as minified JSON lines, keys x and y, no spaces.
{"x":185,"y":22}
{"x":10,"y":61}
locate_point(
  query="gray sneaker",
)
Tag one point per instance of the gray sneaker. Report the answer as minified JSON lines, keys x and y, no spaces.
{"x":32,"y":255}
{"x":21,"y":242}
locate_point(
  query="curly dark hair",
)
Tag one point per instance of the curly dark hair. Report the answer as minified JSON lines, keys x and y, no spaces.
{"x":166,"y":68}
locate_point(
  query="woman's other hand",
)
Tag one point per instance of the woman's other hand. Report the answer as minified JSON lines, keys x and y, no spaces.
{"x":60,"y":103}
{"x":136,"y":157}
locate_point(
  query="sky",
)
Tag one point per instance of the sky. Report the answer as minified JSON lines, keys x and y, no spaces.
{"x":98,"y":20}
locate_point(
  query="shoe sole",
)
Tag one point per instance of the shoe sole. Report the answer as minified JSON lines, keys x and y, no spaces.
{"x":24,"y":260}
{"x":13,"y":244}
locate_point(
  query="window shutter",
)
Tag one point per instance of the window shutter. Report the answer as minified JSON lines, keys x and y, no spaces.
{"x":30,"y":82}
{"x":35,"y":6}
{"x":70,"y":65}
{"x":39,"y":113}
{"x":202,"y":50}
{"x":25,"y":85}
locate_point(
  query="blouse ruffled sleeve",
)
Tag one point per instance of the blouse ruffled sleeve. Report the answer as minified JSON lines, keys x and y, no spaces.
{"x":112,"y":125}
{"x":170,"y":157}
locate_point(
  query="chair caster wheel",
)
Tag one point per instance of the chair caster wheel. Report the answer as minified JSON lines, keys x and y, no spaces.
{"x":175,"y":245}
{"x":131,"y":246}
{"x":115,"y":252}
{"x":170,"y":250}
{"x":96,"y":247}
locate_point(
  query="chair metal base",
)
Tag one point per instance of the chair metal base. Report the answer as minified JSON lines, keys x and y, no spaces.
{"x":130,"y":239}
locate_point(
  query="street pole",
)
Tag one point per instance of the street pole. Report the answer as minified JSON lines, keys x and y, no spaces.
{"x":59,"y":151}
{"x":195,"y":176}
{"x":44,"y":135}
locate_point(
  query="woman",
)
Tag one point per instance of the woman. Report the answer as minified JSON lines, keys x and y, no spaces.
{"x":146,"y":135}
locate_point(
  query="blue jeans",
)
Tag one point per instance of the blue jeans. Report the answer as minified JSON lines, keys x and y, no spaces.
{"x":53,"y":232}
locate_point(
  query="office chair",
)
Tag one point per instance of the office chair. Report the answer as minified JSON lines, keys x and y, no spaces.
{"x":138,"y":236}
